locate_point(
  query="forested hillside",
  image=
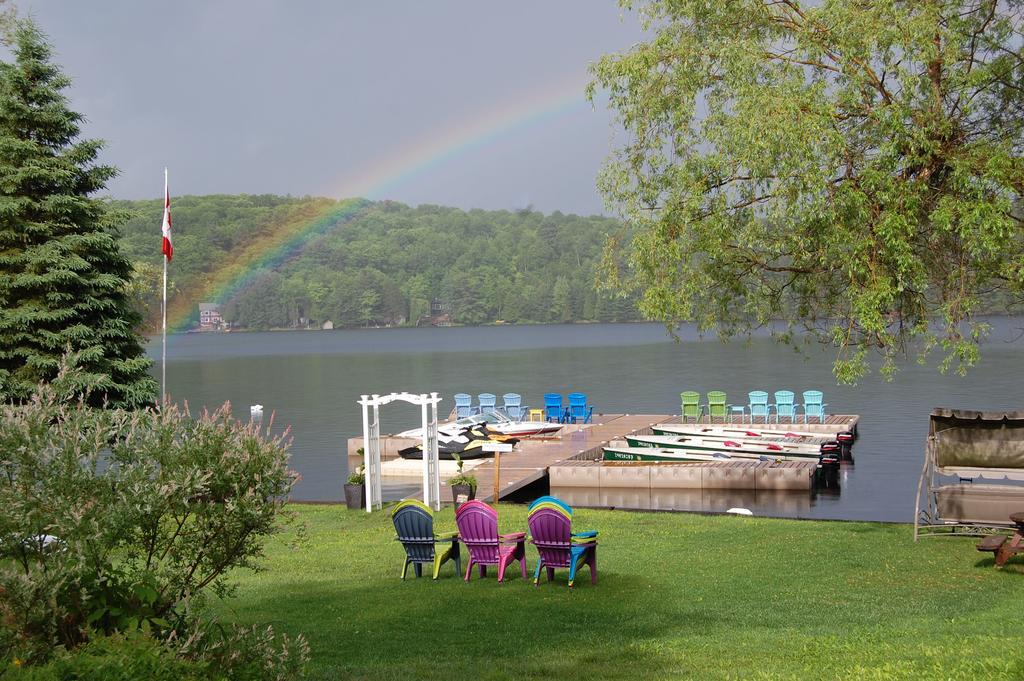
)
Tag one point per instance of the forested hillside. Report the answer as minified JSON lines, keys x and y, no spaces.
{"x":283,"y":262}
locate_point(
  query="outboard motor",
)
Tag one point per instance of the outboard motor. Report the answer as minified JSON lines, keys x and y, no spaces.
{"x":831,"y":453}
{"x":826,"y":476}
{"x":845,"y":441}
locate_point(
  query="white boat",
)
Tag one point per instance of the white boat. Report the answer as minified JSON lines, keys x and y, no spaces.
{"x":748,"y":446}
{"x":614,"y":453}
{"x":733,"y":432}
{"x":524,"y":428}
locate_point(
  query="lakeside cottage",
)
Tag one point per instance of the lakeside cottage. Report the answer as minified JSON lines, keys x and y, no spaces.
{"x":210,"y":318}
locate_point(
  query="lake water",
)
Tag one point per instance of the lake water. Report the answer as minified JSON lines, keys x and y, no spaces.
{"x":312,"y":380}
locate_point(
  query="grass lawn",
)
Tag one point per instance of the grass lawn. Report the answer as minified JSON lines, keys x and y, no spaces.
{"x":679,"y":596}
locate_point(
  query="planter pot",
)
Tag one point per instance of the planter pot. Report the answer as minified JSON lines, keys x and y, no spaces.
{"x":462,"y":493}
{"x":355,"y":496}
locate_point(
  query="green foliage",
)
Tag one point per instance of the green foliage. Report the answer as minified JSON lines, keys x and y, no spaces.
{"x":357,"y":477}
{"x":209,"y":652}
{"x":241,"y":653}
{"x":114,"y":658}
{"x":62,"y":276}
{"x":380,"y":265}
{"x":850,"y":168}
{"x":120,"y":520}
{"x":461,"y":478}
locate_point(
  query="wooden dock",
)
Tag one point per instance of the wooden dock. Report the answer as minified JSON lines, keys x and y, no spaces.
{"x":576,"y":452}
{"x":532,"y":458}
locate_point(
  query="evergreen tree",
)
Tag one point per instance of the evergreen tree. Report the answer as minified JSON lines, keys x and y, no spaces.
{"x":63,"y":278}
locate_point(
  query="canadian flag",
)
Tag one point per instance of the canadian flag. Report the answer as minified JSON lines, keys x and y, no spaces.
{"x":168,"y":248}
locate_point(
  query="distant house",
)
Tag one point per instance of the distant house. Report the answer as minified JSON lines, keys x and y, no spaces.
{"x":328,"y":325}
{"x":209,"y":317}
{"x":440,"y":314}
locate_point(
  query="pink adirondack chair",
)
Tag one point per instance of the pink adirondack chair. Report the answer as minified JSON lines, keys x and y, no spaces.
{"x":478,"y":530}
{"x":551,"y":532}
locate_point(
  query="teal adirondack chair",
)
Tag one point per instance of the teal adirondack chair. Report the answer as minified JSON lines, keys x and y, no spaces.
{"x":813,"y":405}
{"x":463,"y":405}
{"x":717,"y":406}
{"x":758,"y":405}
{"x":784,"y":405}
{"x":487,"y":402}
{"x":513,"y":406}
{"x":690,"y":405}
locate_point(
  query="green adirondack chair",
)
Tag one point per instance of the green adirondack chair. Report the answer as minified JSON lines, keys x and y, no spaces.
{"x":717,"y":406}
{"x":690,"y":405}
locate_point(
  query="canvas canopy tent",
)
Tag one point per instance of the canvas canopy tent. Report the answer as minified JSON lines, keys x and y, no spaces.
{"x":967,"y":451}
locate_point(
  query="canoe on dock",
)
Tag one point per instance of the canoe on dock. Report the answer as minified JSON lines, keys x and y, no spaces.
{"x":746,"y":446}
{"x":627,"y":453}
{"x":733,"y":432}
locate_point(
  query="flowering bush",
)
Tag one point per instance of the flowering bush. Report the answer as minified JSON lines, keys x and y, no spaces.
{"x":118,"y":521}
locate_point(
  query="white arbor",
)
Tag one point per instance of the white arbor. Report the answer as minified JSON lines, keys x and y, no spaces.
{"x":371,"y":445}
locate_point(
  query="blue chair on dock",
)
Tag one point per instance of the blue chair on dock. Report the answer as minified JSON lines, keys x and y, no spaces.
{"x":579,"y":410}
{"x":513,"y":406}
{"x":553,"y":410}
{"x":784,"y":405}
{"x":487,"y":402}
{"x":813,"y":405}
{"x":463,"y":405}
{"x":758,"y":405}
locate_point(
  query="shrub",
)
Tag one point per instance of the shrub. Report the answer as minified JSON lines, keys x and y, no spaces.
{"x":114,"y":658}
{"x":149,"y":510}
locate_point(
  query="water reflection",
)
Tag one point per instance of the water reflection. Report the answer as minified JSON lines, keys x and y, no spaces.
{"x":773,"y":502}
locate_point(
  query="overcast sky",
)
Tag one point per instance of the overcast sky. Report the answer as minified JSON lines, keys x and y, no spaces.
{"x":474,"y":103}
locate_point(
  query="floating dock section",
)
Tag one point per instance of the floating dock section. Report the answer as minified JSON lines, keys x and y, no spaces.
{"x":572,"y":462}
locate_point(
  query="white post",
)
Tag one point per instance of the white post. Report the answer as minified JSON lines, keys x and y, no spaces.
{"x":163,"y":308}
{"x":365,"y":401}
{"x":436,"y":475}
{"x":374,"y":496}
{"x":163,"y":353}
{"x":428,"y":490}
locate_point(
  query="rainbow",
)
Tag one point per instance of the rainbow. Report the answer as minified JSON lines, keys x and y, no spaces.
{"x":284,"y":241}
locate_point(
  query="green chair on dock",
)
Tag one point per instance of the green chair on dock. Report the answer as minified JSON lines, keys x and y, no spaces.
{"x":690,"y":405}
{"x":717,"y":406}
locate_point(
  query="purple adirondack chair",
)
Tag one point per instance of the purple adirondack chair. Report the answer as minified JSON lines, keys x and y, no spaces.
{"x":478,"y":530}
{"x":552,"y":535}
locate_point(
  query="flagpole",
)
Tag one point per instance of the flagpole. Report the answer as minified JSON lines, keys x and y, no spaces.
{"x":163,"y":357}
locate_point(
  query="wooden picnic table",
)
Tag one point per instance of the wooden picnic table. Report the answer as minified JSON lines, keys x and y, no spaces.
{"x":1001,"y":546}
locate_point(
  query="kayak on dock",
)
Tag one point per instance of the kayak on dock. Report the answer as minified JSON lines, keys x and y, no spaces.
{"x":747,"y":446}
{"x":626,"y":453}
{"x":734,"y":432}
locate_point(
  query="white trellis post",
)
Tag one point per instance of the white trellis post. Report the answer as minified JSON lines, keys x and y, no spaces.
{"x":371,"y":446}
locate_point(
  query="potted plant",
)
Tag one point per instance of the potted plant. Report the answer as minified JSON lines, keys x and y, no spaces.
{"x":355,"y":489}
{"x":463,"y":485}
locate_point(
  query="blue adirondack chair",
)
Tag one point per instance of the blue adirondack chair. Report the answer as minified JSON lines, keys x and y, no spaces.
{"x":414,"y":524}
{"x":463,"y":405}
{"x":579,"y":410}
{"x":513,"y":405}
{"x":758,"y":405}
{"x":487,"y":402}
{"x":813,"y":405}
{"x":553,"y":410}
{"x":784,"y":405}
